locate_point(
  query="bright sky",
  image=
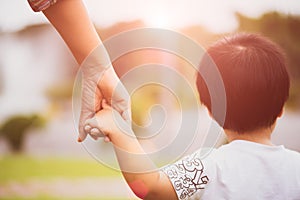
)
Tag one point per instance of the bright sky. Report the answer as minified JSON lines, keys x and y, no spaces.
{"x":217,"y":15}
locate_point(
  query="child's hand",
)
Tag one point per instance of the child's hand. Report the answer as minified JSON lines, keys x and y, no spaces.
{"x":109,"y":122}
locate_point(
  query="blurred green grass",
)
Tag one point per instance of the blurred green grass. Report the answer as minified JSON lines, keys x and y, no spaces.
{"x":22,"y":168}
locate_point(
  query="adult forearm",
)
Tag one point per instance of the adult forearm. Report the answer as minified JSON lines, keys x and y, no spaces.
{"x":71,"y":20}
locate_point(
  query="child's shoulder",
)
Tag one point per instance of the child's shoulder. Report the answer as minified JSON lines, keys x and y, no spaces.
{"x":292,"y":156}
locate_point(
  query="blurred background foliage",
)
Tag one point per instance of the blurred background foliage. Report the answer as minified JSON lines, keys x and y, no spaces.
{"x":285,"y":31}
{"x":14,"y":168}
{"x":281,"y":28}
{"x":15,"y":128}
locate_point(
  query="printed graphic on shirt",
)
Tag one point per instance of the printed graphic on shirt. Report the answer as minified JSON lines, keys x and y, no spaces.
{"x":187,"y":176}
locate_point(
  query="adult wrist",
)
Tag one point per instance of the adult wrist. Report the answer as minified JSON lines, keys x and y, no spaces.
{"x":97,"y":58}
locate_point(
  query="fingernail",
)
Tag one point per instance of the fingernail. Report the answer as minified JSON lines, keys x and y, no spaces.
{"x":79,"y":139}
{"x":95,"y":131}
{"x":106,"y":139}
{"x":87,"y":128}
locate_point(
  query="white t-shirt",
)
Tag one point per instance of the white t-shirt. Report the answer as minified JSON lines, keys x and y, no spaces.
{"x":240,"y":170}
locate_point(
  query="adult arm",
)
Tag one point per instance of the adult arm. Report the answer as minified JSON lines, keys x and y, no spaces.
{"x":71,"y":20}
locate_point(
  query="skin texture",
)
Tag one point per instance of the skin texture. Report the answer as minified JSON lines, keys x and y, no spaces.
{"x":140,"y":173}
{"x":139,"y":188}
{"x":71,"y":20}
{"x":144,"y":179}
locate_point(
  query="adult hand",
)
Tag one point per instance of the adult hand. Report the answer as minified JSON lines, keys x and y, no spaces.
{"x":71,"y":20}
{"x":109,"y":122}
{"x":100,"y":81}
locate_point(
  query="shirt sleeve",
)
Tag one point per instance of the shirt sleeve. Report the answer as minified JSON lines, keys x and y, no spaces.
{"x":188,"y":177}
{"x":40,"y":5}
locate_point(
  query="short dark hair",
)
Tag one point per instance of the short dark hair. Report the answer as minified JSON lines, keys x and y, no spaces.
{"x":255,"y":78}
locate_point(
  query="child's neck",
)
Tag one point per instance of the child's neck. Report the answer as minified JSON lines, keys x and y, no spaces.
{"x":261,"y":136}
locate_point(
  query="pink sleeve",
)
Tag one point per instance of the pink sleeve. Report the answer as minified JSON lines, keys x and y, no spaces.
{"x":39,"y":5}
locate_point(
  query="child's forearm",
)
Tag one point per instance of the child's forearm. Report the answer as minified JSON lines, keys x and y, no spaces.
{"x":143,"y":177}
{"x":136,"y":166}
{"x":70,"y":19}
{"x":145,"y":180}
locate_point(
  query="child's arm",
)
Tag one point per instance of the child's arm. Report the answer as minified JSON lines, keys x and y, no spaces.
{"x":144,"y":179}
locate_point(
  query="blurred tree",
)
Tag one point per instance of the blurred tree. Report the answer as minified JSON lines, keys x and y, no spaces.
{"x":285,"y":31}
{"x":141,"y":102}
{"x":61,"y":91}
{"x":15,"y":128}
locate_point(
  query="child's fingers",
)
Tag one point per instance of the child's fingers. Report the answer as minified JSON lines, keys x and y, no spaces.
{"x":107,"y":139}
{"x":91,"y":123}
{"x":87,"y":128}
{"x":91,"y":128}
{"x":94,"y":137}
{"x":96,"y":132}
{"x":92,"y":132}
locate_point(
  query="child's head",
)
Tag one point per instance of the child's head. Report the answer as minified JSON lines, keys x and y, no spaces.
{"x":255,"y":78}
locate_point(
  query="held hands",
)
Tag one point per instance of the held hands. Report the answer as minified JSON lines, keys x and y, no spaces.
{"x":109,"y":122}
{"x":100,"y":82}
